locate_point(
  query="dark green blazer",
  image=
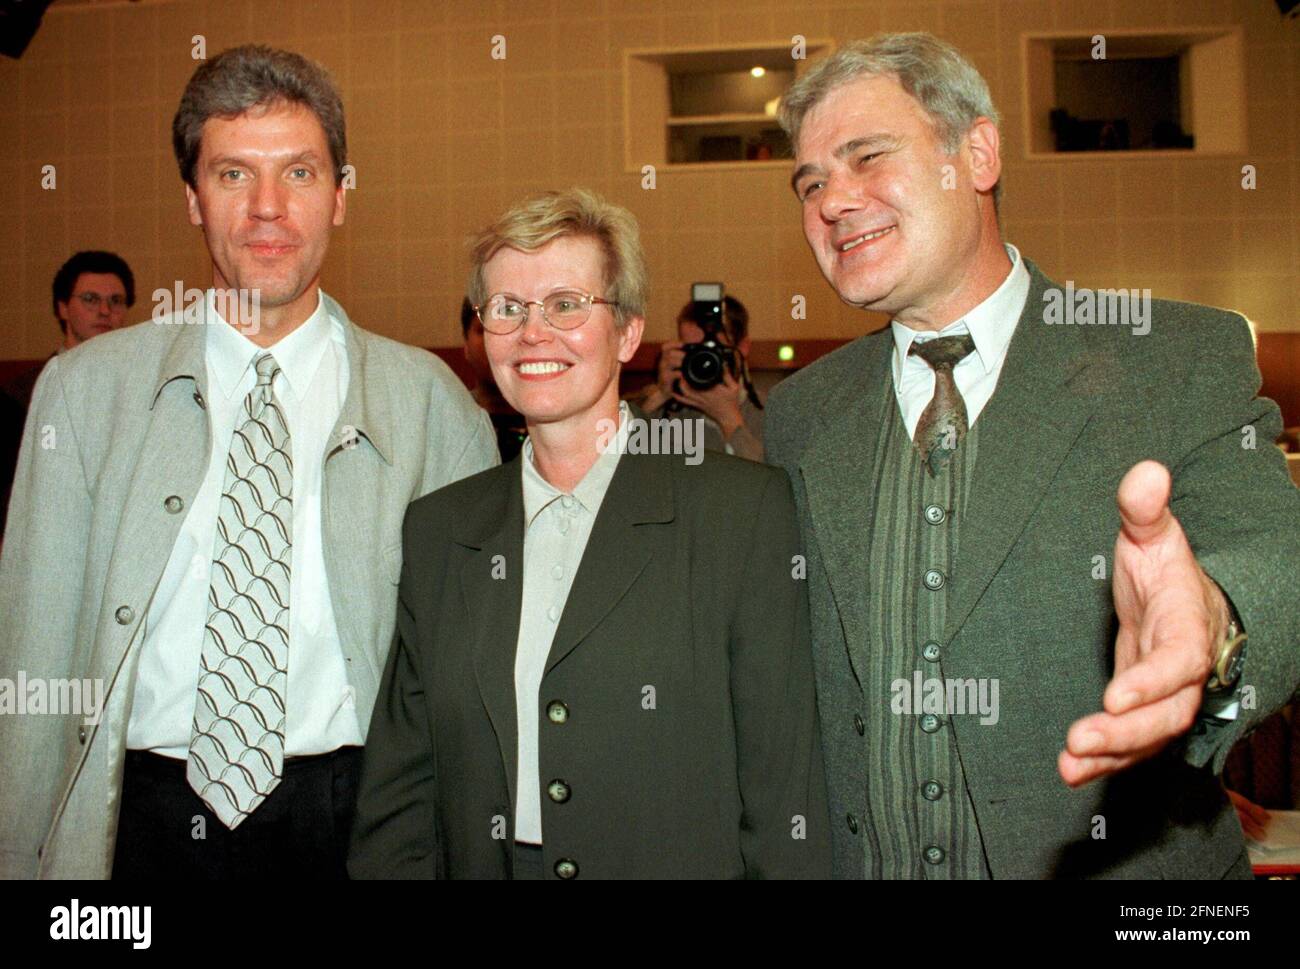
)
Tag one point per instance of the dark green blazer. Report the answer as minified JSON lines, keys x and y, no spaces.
{"x":1076,"y":406}
{"x":689,"y":741}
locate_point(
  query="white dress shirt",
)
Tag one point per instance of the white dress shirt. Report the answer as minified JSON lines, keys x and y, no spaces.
{"x":311,"y":388}
{"x":991,"y":325}
{"x":556,"y":529}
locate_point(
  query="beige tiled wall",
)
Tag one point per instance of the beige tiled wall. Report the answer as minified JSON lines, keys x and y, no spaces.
{"x":443,"y":136}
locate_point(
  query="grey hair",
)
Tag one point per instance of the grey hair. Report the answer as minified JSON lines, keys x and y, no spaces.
{"x":250,"y":76}
{"x":947,"y":86}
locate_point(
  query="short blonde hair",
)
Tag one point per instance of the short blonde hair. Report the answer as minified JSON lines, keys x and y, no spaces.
{"x":532,"y":223}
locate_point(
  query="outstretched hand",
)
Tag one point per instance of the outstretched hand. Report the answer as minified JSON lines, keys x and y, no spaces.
{"x":1172,"y":618}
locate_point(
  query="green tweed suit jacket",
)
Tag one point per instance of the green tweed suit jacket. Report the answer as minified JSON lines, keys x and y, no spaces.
{"x":1076,"y":406}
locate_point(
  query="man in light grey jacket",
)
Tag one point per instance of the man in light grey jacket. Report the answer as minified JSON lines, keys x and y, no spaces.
{"x":198,"y":587}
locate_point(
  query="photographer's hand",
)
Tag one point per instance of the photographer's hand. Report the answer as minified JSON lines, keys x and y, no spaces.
{"x":670,"y":362}
{"x":721,"y":402}
{"x":659,"y":393}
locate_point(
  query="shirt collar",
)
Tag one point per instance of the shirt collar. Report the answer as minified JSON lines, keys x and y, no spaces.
{"x":299,"y":354}
{"x":590,"y":491}
{"x":991,"y":324}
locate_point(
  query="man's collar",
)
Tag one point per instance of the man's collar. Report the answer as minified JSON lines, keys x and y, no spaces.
{"x":366,"y":409}
{"x":589,"y":492}
{"x":991,"y":324}
{"x":298,"y":354}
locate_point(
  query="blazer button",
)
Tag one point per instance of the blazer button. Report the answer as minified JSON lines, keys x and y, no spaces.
{"x":81,"y":735}
{"x":931,"y":651}
{"x":566,"y":868}
{"x":934,"y":854}
{"x":935,"y":515}
{"x":557,"y":712}
{"x":932,"y":790}
{"x":558,"y":791}
{"x":930,"y":723}
{"x":173,"y":504}
{"x":124,"y":615}
{"x":852,"y":822}
{"x":933,"y":579}
{"x":858,"y":725}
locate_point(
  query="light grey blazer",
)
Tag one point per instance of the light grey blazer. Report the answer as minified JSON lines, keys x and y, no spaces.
{"x":116,"y":434}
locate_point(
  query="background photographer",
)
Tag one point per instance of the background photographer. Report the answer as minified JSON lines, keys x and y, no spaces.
{"x":732,"y":408}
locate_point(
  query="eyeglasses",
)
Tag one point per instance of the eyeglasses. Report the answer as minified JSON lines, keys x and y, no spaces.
{"x":93,"y":300}
{"x":565,"y":310}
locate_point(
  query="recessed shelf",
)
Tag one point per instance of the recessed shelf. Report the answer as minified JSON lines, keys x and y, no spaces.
{"x":1134,"y":93}
{"x":700,"y":107}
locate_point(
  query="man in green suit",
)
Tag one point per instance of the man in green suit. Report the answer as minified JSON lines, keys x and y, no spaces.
{"x":1033,"y":543}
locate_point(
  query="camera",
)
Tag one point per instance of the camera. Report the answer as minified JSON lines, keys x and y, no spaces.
{"x":704,"y":363}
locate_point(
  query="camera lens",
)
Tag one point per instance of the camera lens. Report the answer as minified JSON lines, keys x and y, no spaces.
{"x":702,"y":365}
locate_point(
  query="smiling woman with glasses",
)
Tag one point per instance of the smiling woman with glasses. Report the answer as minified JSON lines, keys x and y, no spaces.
{"x":565,"y":699}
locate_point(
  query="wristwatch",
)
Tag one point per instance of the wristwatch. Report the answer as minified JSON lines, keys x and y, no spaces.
{"x":1229,"y":661}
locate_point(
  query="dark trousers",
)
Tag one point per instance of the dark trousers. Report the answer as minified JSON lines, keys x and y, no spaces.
{"x":300,"y":831}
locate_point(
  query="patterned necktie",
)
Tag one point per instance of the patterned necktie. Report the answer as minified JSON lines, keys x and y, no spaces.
{"x":237,"y":744}
{"x":943,"y":422}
